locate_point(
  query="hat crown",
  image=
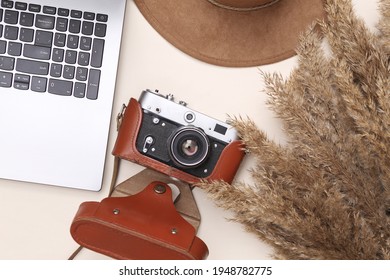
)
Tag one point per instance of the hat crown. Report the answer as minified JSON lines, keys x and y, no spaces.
{"x":243,"y":4}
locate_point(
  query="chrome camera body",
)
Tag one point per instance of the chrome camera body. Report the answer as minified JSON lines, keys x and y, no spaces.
{"x":178,"y":136}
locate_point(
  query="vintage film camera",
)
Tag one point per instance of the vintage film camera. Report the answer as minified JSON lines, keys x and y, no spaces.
{"x":169,"y":137}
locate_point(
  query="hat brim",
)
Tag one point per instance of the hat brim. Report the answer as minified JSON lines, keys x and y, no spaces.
{"x":232,"y":38}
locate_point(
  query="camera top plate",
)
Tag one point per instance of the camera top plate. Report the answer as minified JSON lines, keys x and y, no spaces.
{"x":165,"y":107}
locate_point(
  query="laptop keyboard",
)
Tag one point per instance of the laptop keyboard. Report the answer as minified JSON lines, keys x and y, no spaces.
{"x":51,"y":49}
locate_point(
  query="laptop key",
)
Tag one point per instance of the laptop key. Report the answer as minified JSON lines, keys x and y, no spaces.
{"x":59,"y":39}
{"x":7,"y":4}
{"x":22,"y":78}
{"x":102,"y":17}
{"x":60,"y":87}
{"x":76,"y":14}
{"x":62,"y":24}
{"x":49,"y":10}
{"x":63,"y":12}
{"x":73,"y":41}
{"x":27,"y":19}
{"x":89,"y":16}
{"x":21,"y":6}
{"x":56,"y":70}
{"x":86,"y":43}
{"x":3,"y":46}
{"x":93,"y":84}
{"x":34,"y":8}
{"x":11,"y":17}
{"x":58,"y":55}
{"x":26,"y":35}
{"x":44,"y":22}
{"x":11,"y":32}
{"x":79,"y":90}
{"x":100,"y":30}
{"x":37,"y":52}
{"x":97,"y":53}
{"x":68,"y":72}
{"x":14,"y":49}
{"x":21,"y":86}
{"x":83,"y":59}
{"x":5,"y":79}
{"x":74,"y":26}
{"x":81,"y":74}
{"x":7,"y":63}
{"x":43,"y":38}
{"x":38,"y":84}
{"x":70,"y":57}
{"x":32,"y":67}
{"x":87,"y":28}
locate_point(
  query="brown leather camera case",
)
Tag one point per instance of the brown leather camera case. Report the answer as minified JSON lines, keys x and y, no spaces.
{"x":125,"y":148}
{"x":144,"y":226}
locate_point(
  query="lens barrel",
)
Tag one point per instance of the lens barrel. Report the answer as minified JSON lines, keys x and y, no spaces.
{"x":189,"y":147}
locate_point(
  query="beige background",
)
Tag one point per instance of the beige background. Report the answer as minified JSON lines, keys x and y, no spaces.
{"x":35,"y":219}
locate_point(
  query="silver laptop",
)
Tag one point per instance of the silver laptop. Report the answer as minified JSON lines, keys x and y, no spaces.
{"x":58,"y":63}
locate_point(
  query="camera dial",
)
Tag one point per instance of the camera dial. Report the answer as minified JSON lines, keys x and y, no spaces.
{"x":189,"y":147}
{"x":189,"y":117}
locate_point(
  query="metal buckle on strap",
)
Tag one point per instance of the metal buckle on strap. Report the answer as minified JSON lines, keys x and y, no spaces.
{"x":119,"y":117}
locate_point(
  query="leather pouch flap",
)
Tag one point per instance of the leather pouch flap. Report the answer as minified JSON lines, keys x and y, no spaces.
{"x":142,"y":226}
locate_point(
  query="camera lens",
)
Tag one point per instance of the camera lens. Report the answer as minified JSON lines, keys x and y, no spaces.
{"x":189,"y":147}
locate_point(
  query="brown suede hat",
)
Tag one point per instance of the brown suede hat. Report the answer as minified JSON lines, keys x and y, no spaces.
{"x":234,"y":33}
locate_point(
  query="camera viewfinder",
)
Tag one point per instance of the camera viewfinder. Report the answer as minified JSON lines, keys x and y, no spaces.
{"x":220,"y":129}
